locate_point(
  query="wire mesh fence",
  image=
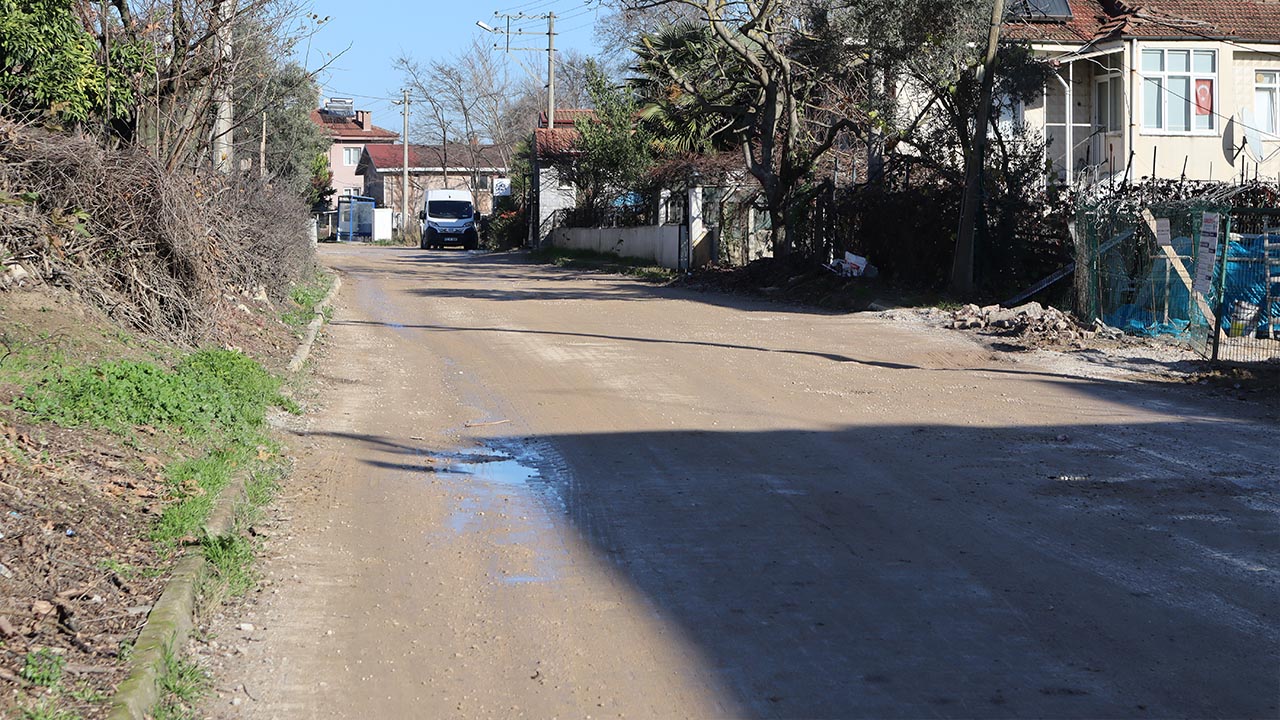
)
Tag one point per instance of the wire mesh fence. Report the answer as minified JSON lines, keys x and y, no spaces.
{"x":1249,"y":311}
{"x":1149,"y":269}
{"x":1196,"y":273}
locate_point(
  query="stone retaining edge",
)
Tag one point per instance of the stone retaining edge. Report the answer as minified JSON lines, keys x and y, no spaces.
{"x":171,"y":620}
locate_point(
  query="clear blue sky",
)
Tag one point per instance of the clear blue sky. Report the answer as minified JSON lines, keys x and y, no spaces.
{"x":378,"y":31}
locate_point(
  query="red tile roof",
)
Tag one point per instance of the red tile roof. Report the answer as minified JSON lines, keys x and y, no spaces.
{"x":1245,"y":20}
{"x":1249,"y":20}
{"x":553,"y":142}
{"x":565,"y":118}
{"x":391,"y":156}
{"x":345,"y":127}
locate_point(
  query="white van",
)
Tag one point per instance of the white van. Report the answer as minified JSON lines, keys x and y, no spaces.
{"x":449,"y":218}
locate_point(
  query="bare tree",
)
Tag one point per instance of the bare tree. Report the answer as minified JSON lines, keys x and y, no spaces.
{"x":756,"y":63}
{"x":177,"y":41}
{"x":473,"y":98}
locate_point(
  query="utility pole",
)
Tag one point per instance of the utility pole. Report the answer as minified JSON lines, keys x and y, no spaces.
{"x":962,"y":264}
{"x":404,"y":170}
{"x":223,"y":152}
{"x":551,"y":70}
{"x":551,"y":50}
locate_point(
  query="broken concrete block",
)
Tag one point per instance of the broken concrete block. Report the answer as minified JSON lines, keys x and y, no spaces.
{"x":1032,"y":310}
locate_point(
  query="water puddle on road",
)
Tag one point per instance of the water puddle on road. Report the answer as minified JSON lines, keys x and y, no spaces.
{"x":507,"y":499}
{"x":493,"y":469}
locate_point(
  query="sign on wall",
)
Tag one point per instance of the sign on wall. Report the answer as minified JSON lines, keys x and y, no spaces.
{"x":1207,"y":256}
{"x":501,"y":187}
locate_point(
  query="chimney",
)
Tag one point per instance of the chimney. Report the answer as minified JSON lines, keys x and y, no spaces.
{"x":362,"y":119}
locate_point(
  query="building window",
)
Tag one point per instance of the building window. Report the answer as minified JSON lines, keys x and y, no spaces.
{"x":1108,"y":95}
{"x":1009,"y":114}
{"x":1179,"y":90}
{"x":350,"y":155}
{"x":1266,"y":93}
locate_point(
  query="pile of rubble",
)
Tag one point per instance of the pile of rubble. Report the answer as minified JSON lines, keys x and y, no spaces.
{"x":1032,"y":321}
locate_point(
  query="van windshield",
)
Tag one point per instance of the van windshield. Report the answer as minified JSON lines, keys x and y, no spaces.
{"x":449,"y":209}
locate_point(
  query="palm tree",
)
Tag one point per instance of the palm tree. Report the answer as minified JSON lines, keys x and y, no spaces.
{"x":683,"y":122}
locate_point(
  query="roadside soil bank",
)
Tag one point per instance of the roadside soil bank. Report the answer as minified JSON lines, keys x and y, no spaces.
{"x":78,"y":572}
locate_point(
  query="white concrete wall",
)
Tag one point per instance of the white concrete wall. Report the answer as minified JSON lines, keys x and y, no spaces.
{"x":660,"y":244}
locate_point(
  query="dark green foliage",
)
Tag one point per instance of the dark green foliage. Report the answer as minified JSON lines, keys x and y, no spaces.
{"x":680,"y":121}
{"x":614,"y":152}
{"x":50,"y":65}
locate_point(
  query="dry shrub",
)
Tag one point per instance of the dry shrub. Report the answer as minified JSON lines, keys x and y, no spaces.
{"x":156,"y":251}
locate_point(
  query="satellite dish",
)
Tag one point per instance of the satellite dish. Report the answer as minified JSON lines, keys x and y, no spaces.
{"x":1252,"y":138}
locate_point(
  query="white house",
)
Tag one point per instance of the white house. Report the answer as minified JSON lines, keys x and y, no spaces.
{"x":554,"y":147}
{"x":1181,"y":87}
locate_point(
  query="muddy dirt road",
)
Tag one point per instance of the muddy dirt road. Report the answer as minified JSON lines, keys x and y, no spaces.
{"x":535,"y":493}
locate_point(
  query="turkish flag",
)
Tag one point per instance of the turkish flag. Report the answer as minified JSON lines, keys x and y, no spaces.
{"x":1204,"y":97}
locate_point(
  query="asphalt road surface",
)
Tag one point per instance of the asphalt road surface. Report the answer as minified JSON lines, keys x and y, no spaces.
{"x":530,"y":492}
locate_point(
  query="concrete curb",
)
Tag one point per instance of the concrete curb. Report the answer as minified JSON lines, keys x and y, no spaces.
{"x":171,"y":620}
{"x":168,"y":626}
{"x":313,"y":329}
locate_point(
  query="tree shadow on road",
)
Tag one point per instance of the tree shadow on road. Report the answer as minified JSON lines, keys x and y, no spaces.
{"x":1110,"y":570}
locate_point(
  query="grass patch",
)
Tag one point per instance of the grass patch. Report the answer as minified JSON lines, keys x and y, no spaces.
{"x":208,"y":390}
{"x":604,"y":262}
{"x":23,"y":363}
{"x":231,"y":556}
{"x":47,"y":709}
{"x":88,"y":694}
{"x":42,"y":667}
{"x":194,"y":485}
{"x":306,"y":296}
{"x":130,"y":572}
{"x":215,"y":399}
{"x":182,"y":684}
{"x":204,"y":414}
{"x":263,"y":484}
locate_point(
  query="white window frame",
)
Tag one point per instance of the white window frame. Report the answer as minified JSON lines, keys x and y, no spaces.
{"x":346,"y":155}
{"x":1192,"y":76}
{"x":1110,"y":73}
{"x":1269,"y":125}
